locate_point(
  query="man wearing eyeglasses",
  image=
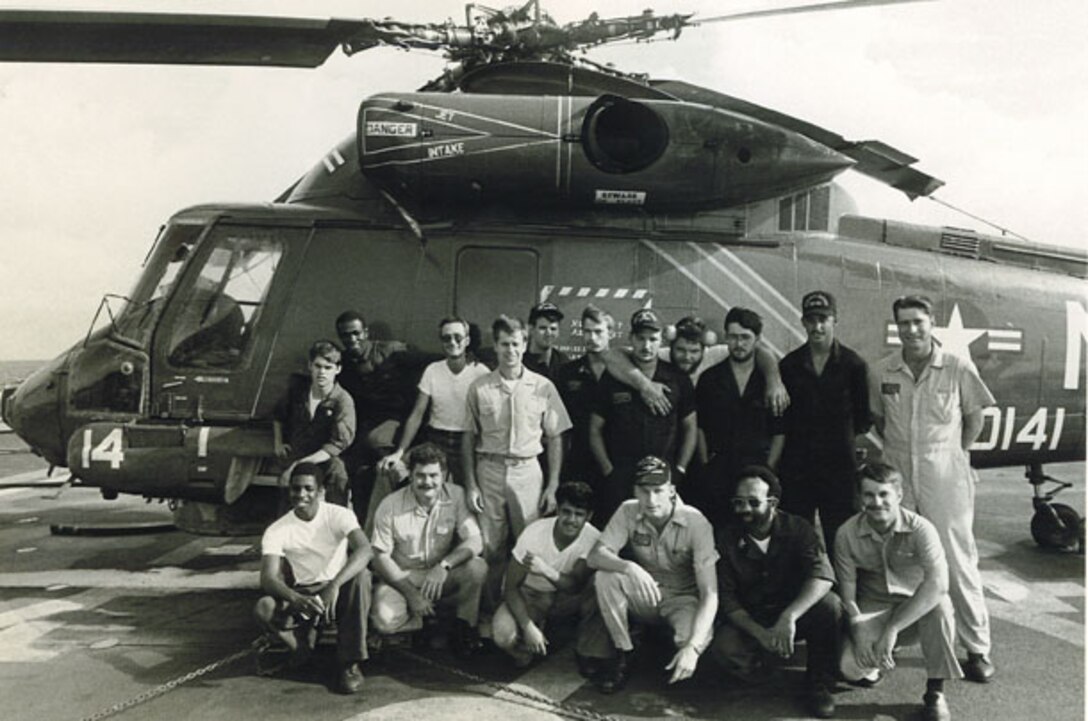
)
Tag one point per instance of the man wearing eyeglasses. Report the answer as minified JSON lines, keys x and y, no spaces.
{"x":775,"y":588}
{"x":443,"y":389}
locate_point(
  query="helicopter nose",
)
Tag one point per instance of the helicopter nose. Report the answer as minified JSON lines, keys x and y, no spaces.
{"x":789,"y":163}
{"x":32,"y":410}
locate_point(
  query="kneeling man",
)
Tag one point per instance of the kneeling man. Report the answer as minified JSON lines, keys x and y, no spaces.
{"x":671,"y":578}
{"x":893,"y":578}
{"x":313,"y":568}
{"x":419,"y":565}
{"x":775,"y":581}
{"x":549,"y":578}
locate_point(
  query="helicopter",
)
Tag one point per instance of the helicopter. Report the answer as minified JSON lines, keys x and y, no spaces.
{"x":524,"y":172}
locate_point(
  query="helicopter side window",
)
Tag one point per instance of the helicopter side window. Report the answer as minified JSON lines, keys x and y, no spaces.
{"x":223,"y":304}
{"x":621,"y":136}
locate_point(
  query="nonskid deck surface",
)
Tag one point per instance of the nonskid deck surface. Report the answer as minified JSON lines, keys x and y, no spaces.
{"x":89,"y":621}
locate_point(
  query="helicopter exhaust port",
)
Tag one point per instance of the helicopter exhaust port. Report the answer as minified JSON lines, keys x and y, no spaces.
{"x":622,"y":136}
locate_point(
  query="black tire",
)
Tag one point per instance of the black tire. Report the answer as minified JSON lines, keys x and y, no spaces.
{"x":1057,"y":526}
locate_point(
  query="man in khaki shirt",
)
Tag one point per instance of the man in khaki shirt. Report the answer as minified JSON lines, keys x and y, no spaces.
{"x":893,"y":580}
{"x":671,"y":578}
{"x":513,"y":413}
{"x":417,"y":560}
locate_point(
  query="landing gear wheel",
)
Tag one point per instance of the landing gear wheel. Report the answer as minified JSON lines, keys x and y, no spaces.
{"x":1058,"y":526}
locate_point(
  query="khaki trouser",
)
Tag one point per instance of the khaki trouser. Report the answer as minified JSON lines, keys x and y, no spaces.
{"x":616,"y":600}
{"x":511,"y":494}
{"x":390,"y":612}
{"x":936,"y":630}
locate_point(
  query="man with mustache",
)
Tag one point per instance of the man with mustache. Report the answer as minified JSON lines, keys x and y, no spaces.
{"x":775,"y":588}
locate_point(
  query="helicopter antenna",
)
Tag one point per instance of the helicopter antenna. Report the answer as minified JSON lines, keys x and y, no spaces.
{"x":1000,"y":228}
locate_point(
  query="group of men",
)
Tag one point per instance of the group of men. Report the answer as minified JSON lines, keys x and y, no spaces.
{"x":483,"y":528}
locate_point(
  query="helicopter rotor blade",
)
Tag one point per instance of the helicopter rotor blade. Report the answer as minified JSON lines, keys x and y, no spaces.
{"x":829,"y":5}
{"x":170,"y":39}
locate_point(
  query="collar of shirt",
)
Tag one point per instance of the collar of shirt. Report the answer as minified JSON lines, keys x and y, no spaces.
{"x":679,"y":516}
{"x":833,"y":356}
{"x":936,"y":359}
{"x":528,"y":378}
{"x":412,"y":503}
{"x":747,"y":544}
{"x":899,"y":526}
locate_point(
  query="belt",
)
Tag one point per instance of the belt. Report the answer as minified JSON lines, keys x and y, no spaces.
{"x":443,"y":433}
{"x":505,"y":460}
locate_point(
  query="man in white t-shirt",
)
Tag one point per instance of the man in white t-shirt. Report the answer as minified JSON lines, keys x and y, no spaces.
{"x":549,"y":578}
{"x":313,"y":572}
{"x":443,"y":389}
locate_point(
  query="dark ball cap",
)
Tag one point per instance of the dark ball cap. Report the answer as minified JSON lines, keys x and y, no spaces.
{"x":652,"y":471}
{"x":818,"y":302}
{"x":645,"y":319}
{"x":548,"y":310}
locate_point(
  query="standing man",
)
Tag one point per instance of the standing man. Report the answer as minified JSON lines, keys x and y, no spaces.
{"x":894,"y":585}
{"x":319,"y":423}
{"x":775,"y":582}
{"x":928,"y":405}
{"x":443,"y":389}
{"x":737,"y":427}
{"x":542,"y":356}
{"x":420,"y":566}
{"x":623,"y":429}
{"x":670,"y":578}
{"x":549,"y":578}
{"x":829,"y":388}
{"x":513,"y":413}
{"x":321,"y":547}
{"x":578,"y":382}
{"x":373,"y":376}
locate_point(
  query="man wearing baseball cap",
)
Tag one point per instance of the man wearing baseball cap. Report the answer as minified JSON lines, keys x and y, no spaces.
{"x":542,"y":356}
{"x":671,"y":578}
{"x":827,"y":384}
{"x":623,"y":428}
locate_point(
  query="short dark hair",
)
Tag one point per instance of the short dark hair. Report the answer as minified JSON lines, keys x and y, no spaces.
{"x":879,"y":472}
{"x":595,"y":314}
{"x":763,"y":473}
{"x":310,"y":469}
{"x":692,"y":329}
{"x":576,"y":493}
{"x":745,"y":318}
{"x":454,"y":319}
{"x":348,"y":316}
{"x":508,"y":325}
{"x":921,"y":302}
{"x":425,"y":454}
{"x":325,"y":349}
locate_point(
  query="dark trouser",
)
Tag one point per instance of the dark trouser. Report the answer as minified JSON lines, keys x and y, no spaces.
{"x":352,"y":611}
{"x":821,"y":627}
{"x":824,"y":488}
{"x":450,"y":443}
{"x":557,"y":608}
{"x":614,"y":489}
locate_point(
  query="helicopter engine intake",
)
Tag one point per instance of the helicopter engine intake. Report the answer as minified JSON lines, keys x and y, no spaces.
{"x":442,"y":153}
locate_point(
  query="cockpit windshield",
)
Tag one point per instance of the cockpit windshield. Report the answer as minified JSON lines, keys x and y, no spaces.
{"x":136,"y":322}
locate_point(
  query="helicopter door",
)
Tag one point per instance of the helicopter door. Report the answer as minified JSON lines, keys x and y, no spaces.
{"x":491,"y":281}
{"x":215,"y":338}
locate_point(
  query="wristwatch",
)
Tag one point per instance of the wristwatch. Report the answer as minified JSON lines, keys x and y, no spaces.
{"x":445,"y":564}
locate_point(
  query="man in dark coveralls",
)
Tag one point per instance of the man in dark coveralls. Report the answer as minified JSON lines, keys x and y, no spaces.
{"x":827,"y":383}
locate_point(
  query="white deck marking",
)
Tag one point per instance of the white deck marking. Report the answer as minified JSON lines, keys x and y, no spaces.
{"x":1035,"y":606}
{"x":169,"y":579}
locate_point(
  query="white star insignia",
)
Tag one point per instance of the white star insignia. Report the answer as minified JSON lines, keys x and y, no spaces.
{"x":954,"y":337}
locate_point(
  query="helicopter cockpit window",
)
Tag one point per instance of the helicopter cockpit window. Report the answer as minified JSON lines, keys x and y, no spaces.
{"x":223,"y":303}
{"x":622,"y":136}
{"x":137,"y":321}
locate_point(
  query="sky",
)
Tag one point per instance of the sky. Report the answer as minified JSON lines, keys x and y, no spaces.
{"x":990,"y":95}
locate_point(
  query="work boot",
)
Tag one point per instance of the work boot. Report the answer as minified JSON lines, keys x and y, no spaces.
{"x":821,"y":703}
{"x":464,"y":640}
{"x":351,"y":679}
{"x":935,"y":707}
{"x":614,"y":678}
{"x":978,"y":668}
